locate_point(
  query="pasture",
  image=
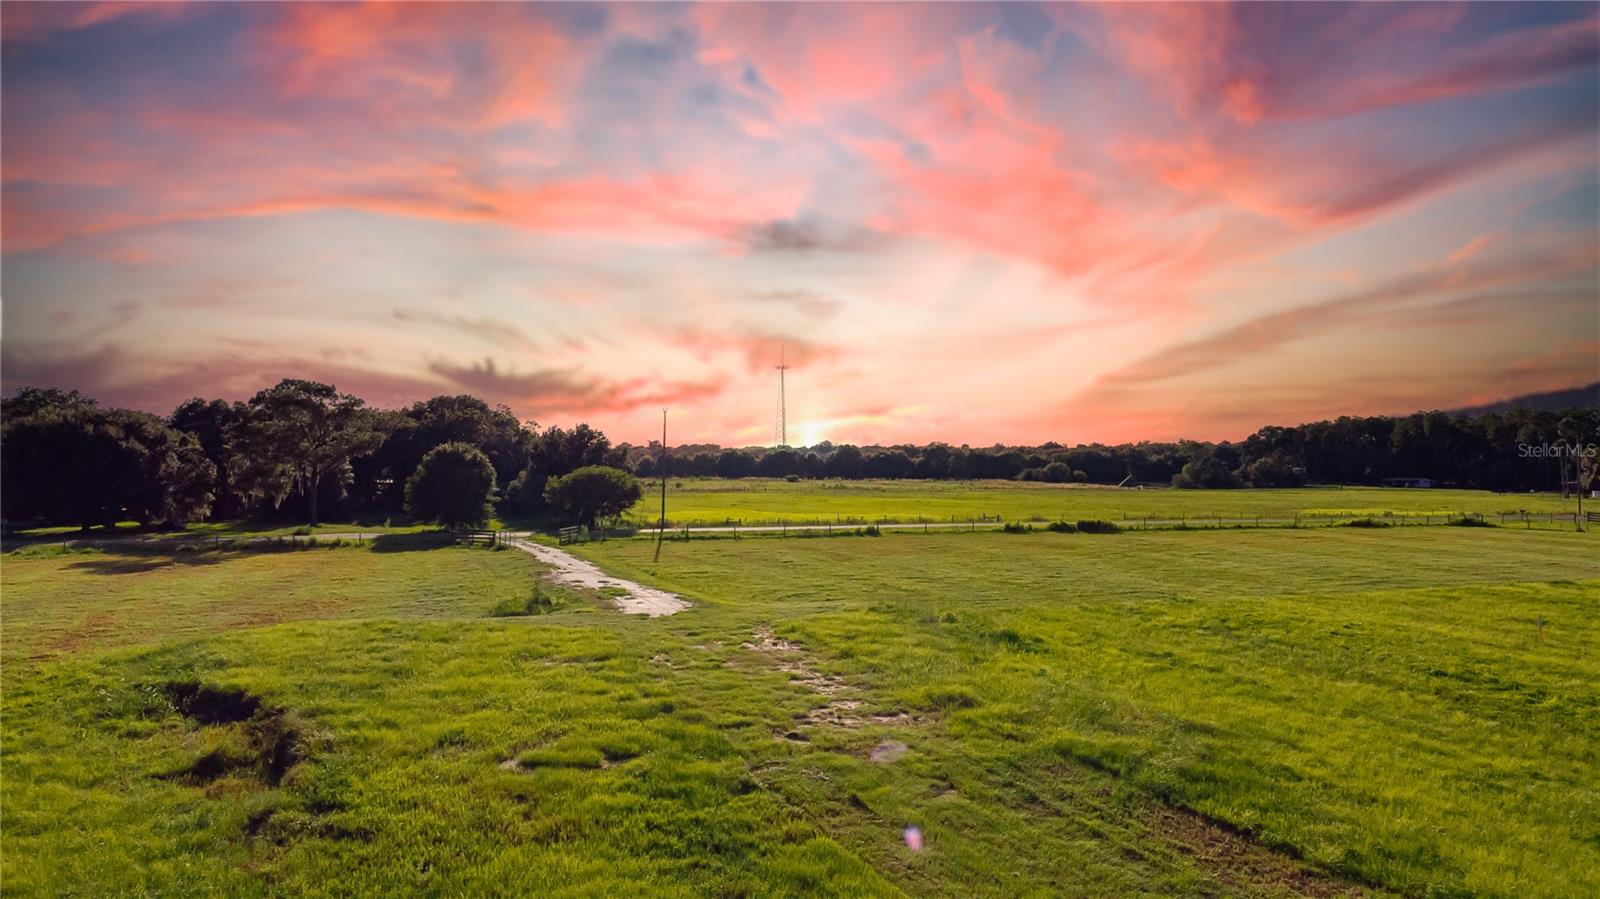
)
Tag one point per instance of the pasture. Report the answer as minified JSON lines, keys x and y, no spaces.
{"x":765,"y":501}
{"x":1277,"y":712}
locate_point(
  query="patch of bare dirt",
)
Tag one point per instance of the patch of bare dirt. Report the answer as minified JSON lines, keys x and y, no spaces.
{"x":1237,"y":859}
{"x":271,"y":741}
{"x":842,"y":709}
{"x":91,"y":630}
{"x":789,"y":657}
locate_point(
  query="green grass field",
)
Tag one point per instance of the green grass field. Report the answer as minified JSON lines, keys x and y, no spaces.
{"x":1277,"y":712}
{"x":755,"y":501}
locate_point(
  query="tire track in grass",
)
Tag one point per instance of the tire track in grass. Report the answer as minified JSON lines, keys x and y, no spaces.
{"x":1229,"y":855}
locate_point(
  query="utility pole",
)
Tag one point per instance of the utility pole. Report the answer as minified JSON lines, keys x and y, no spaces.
{"x":661,"y":472}
{"x":783,"y":411}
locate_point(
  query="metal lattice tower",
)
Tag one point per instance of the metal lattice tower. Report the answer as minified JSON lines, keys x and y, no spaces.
{"x":783,"y":412}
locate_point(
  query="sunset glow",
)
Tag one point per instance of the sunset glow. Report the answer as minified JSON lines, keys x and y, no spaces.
{"x":970,"y":223}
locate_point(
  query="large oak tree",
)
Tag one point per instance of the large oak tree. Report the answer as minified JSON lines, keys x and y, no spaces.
{"x":294,"y":436}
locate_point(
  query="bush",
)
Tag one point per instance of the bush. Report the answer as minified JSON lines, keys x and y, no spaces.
{"x":1271,"y":471}
{"x":1096,"y":526}
{"x":1366,"y":523}
{"x":1468,"y":521}
{"x":1061,"y":527}
{"x":454,"y":486}
{"x":1058,"y":473}
{"x":593,"y":492}
{"x":1016,"y":527}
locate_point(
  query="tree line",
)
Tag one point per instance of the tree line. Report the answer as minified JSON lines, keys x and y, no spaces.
{"x":301,"y":450}
{"x":1492,"y":451}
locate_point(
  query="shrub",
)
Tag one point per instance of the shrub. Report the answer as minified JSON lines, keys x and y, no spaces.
{"x":454,"y":486}
{"x":1272,"y":471}
{"x":1016,"y":527}
{"x":1468,"y":521}
{"x":1061,"y":527}
{"x":1058,"y":472}
{"x":593,"y":492}
{"x":1366,"y":523}
{"x":1097,"y":526}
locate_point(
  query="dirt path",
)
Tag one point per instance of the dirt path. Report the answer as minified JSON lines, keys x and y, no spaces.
{"x":566,"y":568}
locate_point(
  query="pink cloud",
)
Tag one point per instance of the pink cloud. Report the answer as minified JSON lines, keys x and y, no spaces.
{"x":766,"y":171}
{"x":24,"y":22}
{"x":1236,"y":57}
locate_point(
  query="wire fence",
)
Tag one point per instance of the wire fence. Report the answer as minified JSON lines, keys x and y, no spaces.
{"x":843,"y":525}
{"x":839,"y":526}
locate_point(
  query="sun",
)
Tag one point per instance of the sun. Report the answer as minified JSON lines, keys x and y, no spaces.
{"x":809,"y":433}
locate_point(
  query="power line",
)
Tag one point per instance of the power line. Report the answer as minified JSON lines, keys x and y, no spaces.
{"x":661,"y":472}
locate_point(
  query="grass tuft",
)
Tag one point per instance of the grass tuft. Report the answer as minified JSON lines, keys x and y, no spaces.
{"x":537,"y":602}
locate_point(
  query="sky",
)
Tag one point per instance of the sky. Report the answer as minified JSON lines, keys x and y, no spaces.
{"x":990,"y":223}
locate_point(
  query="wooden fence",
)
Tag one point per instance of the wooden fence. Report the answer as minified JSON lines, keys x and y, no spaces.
{"x":477,"y":538}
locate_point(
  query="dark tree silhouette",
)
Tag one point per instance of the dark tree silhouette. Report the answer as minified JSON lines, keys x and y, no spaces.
{"x":295,"y":435}
{"x":453,"y":485}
